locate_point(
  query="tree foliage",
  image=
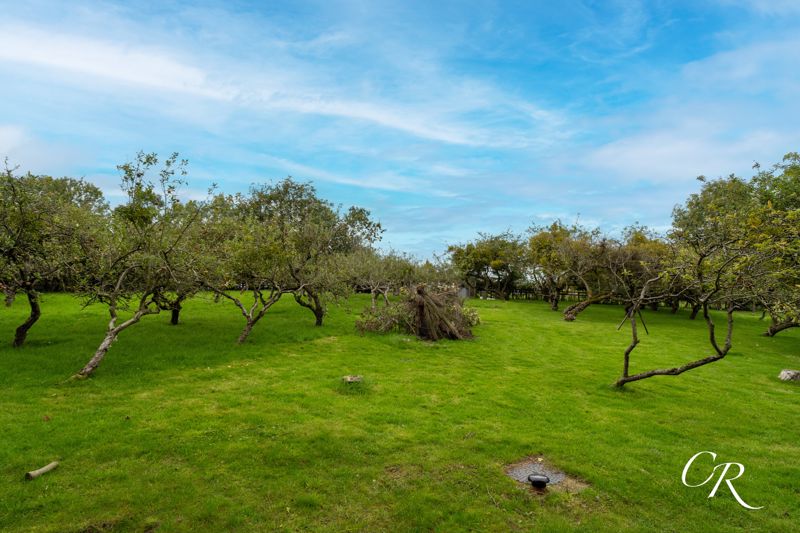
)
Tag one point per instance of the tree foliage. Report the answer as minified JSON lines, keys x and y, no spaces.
{"x":141,"y":251}
{"x":492,"y":263}
{"x":43,"y":224}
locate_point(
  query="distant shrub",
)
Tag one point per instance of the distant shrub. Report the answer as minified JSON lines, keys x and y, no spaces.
{"x":471,"y":317}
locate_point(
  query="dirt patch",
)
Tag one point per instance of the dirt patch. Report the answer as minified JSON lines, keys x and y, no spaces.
{"x":100,"y":527}
{"x":401,"y":476}
{"x":559,"y":481}
{"x":402,"y":472}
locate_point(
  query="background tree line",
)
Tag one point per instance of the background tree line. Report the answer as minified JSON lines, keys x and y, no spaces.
{"x":732,"y":245}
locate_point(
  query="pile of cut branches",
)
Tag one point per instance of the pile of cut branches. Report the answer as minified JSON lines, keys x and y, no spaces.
{"x":427,"y":313}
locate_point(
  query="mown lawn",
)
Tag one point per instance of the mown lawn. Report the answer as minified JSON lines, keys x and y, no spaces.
{"x":181,"y":430}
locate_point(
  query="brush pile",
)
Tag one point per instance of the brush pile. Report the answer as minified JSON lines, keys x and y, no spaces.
{"x":427,"y":313}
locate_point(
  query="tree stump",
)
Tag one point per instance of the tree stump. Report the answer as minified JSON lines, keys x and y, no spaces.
{"x":789,"y":375}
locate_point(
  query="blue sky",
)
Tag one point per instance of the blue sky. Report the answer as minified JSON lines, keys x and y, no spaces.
{"x":444,"y":119}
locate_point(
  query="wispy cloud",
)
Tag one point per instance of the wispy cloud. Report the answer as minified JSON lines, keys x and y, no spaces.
{"x":603,"y":41}
{"x":718,"y":116}
{"x":157,"y":68}
{"x":136,"y":66}
{"x":676,"y":156}
{"x":768,"y":66}
{"x":387,"y":181}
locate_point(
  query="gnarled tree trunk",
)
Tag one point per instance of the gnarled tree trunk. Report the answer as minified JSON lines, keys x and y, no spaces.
{"x":247,"y":329}
{"x":100,"y":353}
{"x":555,"y":297}
{"x":175,"y":309}
{"x":501,"y":294}
{"x":314,"y":303}
{"x":777,"y":327}
{"x":175,"y":315}
{"x":173,"y":306}
{"x":256,"y":311}
{"x":695,"y":310}
{"x":626,"y":363}
{"x":720,"y":352}
{"x":571,"y":312}
{"x":112,"y":332}
{"x":36,"y":311}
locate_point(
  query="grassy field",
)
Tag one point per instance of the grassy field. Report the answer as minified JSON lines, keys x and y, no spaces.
{"x":181,"y":430}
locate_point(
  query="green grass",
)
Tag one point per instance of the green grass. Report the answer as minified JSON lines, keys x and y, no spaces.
{"x":182,"y":430}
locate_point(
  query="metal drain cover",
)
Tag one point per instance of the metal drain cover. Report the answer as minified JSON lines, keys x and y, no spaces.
{"x":534,"y":466}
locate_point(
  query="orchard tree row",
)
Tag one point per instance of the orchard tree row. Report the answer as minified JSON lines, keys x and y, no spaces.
{"x":153,"y":251}
{"x":734,"y":245}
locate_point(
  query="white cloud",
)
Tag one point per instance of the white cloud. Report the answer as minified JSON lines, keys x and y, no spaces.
{"x":32,"y":154}
{"x":406,"y":120}
{"x":766,"y":66}
{"x":430,"y":111}
{"x":717,"y":116}
{"x":679,"y":155}
{"x":11,"y":137}
{"x":147,"y":67}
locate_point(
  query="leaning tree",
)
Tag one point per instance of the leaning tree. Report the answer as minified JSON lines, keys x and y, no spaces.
{"x":142,"y":250}
{"x":711,"y":253}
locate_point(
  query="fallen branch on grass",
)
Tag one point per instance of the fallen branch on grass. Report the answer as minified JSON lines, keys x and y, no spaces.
{"x":33,"y":474}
